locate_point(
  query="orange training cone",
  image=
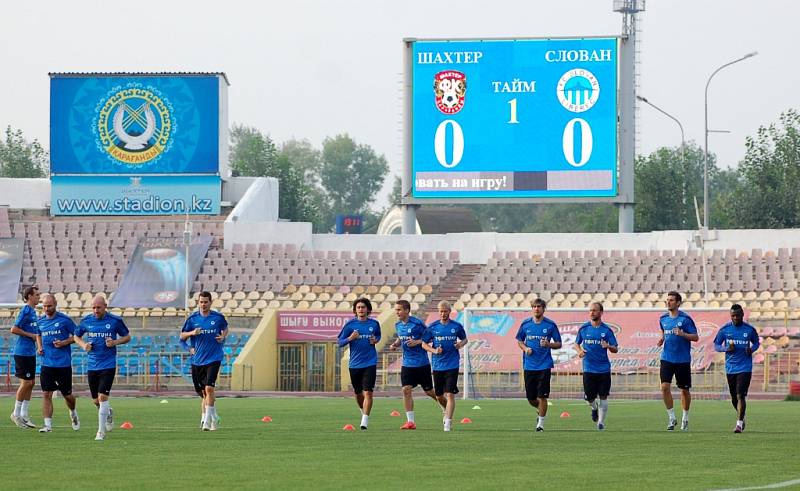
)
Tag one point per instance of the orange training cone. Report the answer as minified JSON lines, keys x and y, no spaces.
{"x":348,"y":428}
{"x":126,"y":425}
{"x":266,"y":419}
{"x":395,"y":413}
{"x":466,"y":421}
{"x":565,"y":414}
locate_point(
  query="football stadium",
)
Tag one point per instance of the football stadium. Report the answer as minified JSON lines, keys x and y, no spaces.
{"x":168,"y":321}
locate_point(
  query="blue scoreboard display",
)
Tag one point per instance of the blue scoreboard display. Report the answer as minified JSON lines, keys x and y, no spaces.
{"x":526,"y":118}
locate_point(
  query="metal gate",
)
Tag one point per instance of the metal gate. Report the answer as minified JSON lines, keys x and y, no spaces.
{"x":291,"y":365}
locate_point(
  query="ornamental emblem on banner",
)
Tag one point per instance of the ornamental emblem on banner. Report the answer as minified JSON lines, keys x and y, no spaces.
{"x":134,"y":125}
{"x":450,"y":88}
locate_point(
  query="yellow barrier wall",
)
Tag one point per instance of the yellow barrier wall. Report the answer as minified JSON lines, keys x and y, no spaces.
{"x":387,"y":320}
{"x":256,"y":367}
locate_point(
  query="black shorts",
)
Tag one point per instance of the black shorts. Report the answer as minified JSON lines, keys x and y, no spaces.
{"x":596,"y":384}
{"x":363,"y":379}
{"x":56,"y":379}
{"x":100,"y":381}
{"x":414,"y":376}
{"x":446,"y":381}
{"x":205,"y":376}
{"x":681,"y":371}
{"x":739,"y":383}
{"x":537,"y":384}
{"x":25,"y":367}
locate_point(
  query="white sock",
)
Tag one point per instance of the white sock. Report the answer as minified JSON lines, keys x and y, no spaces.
{"x":593,"y":404}
{"x":48,"y":422}
{"x":671,"y":414}
{"x":602,"y":411}
{"x":209,"y":413}
{"x":540,"y":421}
{"x":73,"y":412}
{"x":102,"y":415}
{"x":24,"y":409}
{"x":18,"y":408}
{"x":410,"y":416}
{"x":214,"y":411}
{"x":686,"y":415}
{"x":739,"y":422}
{"x":364,"y":420}
{"x":447,"y":423}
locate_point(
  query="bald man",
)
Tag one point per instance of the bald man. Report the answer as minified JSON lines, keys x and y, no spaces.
{"x":54,"y":344}
{"x":105,"y":331}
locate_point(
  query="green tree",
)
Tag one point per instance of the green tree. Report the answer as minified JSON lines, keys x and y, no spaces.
{"x":351,"y":175}
{"x":254,"y":154}
{"x":765,"y":194}
{"x":302,"y":155}
{"x":396,"y":194}
{"x":20,"y":158}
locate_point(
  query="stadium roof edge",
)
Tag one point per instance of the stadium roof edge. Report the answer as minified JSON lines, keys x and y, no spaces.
{"x":137,"y":74}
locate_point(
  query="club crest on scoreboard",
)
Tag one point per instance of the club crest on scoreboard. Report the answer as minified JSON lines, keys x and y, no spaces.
{"x":450,"y":88}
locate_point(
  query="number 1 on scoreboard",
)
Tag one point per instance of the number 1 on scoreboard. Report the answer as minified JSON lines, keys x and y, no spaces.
{"x":513,"y":118}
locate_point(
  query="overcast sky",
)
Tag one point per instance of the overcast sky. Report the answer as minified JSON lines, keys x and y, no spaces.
{"x":310,"y":69}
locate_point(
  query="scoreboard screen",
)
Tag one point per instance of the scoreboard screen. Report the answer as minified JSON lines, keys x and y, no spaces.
{"x":525,"y":118}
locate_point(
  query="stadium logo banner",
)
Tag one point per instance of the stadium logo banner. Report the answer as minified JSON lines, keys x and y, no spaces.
{"x":10,"y":269}
{"x":156,"y":273}
{"x":141,"y":195}
{"x":312,"y":325}
{"x":493,"y":346}
{"x":134,"y":125}
{"x":525,"y":118}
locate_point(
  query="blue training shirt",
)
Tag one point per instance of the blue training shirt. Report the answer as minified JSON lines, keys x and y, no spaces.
{"x":743,"y":336}
{"x":26,"y":320}
{"x":362,"y":353}
{"x":207,"y":349}
{"x":97,"y":330}
{"x":59,"y":328}
{"x":446,"y":336}
{"x":677,"y":349}
{"x":413,"y":329}
{"x":596,"y":358}
{"x":532,"y":333}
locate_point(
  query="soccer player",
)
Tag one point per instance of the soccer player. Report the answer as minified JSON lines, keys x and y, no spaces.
{"x":446,"y":338}
{"x":536,"y":337}
{"x":54,"y":343}
{"x":738,"y":340}
{"x":362,"y":334}
{"x":416,"y":369}
{"x":206,"y":331}
{"x":25,"y":356}
{"x":105,"y":331}
{"x":677,"y":333}
{"x":595,"y":339}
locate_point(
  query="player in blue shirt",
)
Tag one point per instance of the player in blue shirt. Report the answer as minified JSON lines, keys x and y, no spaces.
{"x":105,"y":331}
{"x":25,"y":356}
{"x":536,"y":337}
{"x":595,"y":339}
{"x":677,"y":333}
{"x":206,"y":331}
{"x":362,"y":334}
{"x":739,"y":340}
{"x":416,"y":369}
{"x":446,"y":337}
{"x":54,"y":344}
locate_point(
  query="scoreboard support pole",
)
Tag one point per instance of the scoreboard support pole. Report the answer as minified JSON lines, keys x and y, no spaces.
{"x":409,"y":223}
{"x":627,"y":131}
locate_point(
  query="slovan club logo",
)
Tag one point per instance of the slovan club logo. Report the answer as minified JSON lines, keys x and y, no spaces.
{"x":578,"y":90}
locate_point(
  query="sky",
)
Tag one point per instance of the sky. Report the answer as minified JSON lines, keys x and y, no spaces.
{"x":311,"y":69}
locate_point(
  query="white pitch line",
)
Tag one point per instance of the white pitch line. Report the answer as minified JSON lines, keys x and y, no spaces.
{"x":776,"y":485}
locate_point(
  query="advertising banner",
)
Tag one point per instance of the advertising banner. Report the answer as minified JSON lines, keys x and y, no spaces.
{"x":514,"y":118}
{"x":141,"y":195}
{"x":312,"y":325}
{"x":493,"y":347}
{"x":10,"y":269}
{"x":156,"y":273}
{"x":134,"y":124}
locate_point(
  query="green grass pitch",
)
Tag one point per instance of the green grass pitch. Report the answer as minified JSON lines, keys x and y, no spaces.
{"x":304,"y":447}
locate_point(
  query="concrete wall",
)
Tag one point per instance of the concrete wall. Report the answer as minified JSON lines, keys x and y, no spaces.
{"x":256,"y":367}
{"x":25,"y":194}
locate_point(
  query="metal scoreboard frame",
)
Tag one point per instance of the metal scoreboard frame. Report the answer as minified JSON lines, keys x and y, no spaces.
{"x":583,"y":137}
